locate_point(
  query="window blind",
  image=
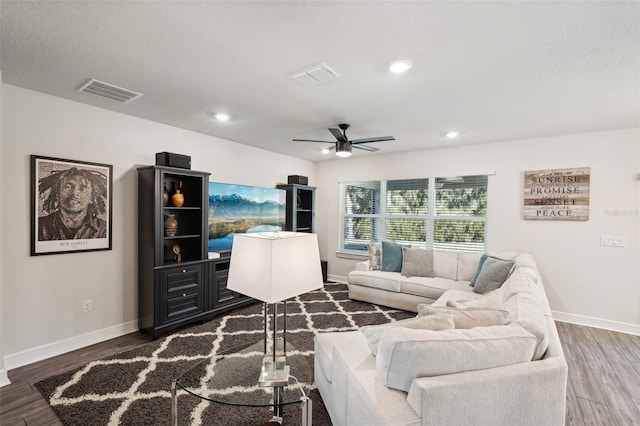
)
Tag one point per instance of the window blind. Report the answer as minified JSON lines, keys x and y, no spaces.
{"x":361,"y":207}
{"x":461,"y":209}
{"x":446,"y":213}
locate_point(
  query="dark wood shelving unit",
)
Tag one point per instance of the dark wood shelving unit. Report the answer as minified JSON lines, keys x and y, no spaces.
{"x":300,"y":212}
{"x":177,"y":283}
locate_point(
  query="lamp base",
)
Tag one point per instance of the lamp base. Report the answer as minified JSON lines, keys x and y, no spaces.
{"x":274,"y":373}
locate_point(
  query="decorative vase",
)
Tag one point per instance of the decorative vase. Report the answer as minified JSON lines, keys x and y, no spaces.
{"x":165,"y":196}
{"x":170,"y":225}
{"x":177,"y":199}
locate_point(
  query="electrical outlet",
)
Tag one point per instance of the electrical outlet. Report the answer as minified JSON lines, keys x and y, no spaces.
{"x":86,"y":305}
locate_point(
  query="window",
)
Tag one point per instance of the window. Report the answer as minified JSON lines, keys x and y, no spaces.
{"x":435,"y":213}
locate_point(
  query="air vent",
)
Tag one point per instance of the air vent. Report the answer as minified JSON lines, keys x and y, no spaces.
{"x":109,"y":91}
{"x":314,"y":75}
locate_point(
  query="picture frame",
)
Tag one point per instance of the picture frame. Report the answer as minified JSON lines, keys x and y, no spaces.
{"x":71,"y":206}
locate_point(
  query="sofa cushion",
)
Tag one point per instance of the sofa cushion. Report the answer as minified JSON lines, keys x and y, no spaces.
{"x":405,"y":354}
{"x":429,"y":287}
{"x":391,"y":256}
{"x":468,"y":317}
{"x":440,"y":321}
{"x":456,"y":294}
{"x":445,"y":264}
{"x":492,"y":275}
{"x":375,"y":256}
{"x":417,"y":262}
{"x":389,"y":281}
{"x":491,"y":300}
{"x":519,"y":281}
{"x":467,"y":265}
{"x":525,"y":310}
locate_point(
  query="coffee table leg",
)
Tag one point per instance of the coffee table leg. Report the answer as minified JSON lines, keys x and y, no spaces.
{"x":306,"y":408}
{"x":277,"y":403}
{"x":174,"y":404}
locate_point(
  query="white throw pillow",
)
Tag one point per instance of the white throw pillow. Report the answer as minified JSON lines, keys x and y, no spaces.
{"x":406,"y":354}
{"x":468,"y":317}
{"x":491,"y":300}
{"x":524,"y":309}
{"x":440,"y":321}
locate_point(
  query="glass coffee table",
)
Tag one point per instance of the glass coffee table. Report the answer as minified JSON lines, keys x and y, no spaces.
{"x":231,"y":378}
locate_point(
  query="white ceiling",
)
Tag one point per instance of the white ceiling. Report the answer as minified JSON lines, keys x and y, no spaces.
{"x":496,"y":71}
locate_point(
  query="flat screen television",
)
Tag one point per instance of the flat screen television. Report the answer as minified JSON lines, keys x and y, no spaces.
{"x":240,"y":208}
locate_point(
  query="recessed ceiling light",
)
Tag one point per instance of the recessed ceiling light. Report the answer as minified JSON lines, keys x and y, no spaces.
{"x":222,"y":116}
{"x":452,"y":134}
{"x":398,"y":67}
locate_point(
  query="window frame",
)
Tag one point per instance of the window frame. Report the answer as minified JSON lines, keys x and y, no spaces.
{"x":380,"y":218}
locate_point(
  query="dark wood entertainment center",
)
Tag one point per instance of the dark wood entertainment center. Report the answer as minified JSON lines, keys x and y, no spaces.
{"x":177,"y":283}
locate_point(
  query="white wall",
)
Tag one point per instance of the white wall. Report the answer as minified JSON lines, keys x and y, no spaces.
{"x":586,"y":283}
{"x":42,"y":295}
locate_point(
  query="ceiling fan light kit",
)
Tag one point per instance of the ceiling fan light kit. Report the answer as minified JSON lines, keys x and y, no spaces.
{"x":343,"y":145}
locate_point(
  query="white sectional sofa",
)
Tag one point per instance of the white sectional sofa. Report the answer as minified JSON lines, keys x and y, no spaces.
{"x":452,"y":271}
{"x":513,"y":373}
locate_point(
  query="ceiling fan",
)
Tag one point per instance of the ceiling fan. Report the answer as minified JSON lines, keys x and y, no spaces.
{"x":343,"y":145}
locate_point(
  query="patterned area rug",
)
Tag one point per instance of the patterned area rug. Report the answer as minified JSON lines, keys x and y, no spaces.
{"x":133,"y":388}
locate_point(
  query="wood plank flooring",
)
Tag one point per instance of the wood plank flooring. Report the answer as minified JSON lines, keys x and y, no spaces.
{"x":603,"y":387}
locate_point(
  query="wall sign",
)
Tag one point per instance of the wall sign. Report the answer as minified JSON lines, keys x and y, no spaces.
{"x":559,"y":194}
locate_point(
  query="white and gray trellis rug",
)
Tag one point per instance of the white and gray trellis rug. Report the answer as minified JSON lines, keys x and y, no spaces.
{"x":133,"y":388}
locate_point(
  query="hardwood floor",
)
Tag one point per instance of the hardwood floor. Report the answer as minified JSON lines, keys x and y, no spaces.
{"x":604,"y":376}
{"x":603,"y":386}
{"x":21,"y":403}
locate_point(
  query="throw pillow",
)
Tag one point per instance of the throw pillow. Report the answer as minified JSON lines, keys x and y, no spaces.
{"x":417,"y":262}
{"x":375,"y":256}
{"x":404,"y":354}
{"x":493,"y":274}
{"x":391,"y":257}
{"x":440,"y":321}
{"x":468,"y":317}
{"x":491,"y":300}
{"x":483,"y":258}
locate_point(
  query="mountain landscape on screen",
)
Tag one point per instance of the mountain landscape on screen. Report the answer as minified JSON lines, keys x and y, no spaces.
{"x":239,"y":208}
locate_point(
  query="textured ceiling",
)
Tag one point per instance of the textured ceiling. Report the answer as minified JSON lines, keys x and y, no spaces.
{"x":496,"y":71}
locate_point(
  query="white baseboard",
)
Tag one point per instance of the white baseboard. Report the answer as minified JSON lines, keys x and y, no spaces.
{"x":49,"y":350}
{"x":621,"y":327}
{"x":4,"y":379}
{"x":337,"y":279}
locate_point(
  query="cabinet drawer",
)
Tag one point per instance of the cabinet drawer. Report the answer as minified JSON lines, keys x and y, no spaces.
{"x":181,"y":292}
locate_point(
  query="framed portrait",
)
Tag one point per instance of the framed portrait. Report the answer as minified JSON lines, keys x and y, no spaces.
{"x":71,"y":206}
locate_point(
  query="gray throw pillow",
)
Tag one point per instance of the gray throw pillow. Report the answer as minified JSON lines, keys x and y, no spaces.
{"x":375,"y":256}
{"x":417,"y":262}
{"x":391,"y":256}
{"x":493,"y":274}
{"x":483,"y":258}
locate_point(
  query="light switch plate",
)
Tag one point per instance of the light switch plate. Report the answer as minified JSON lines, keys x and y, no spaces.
{"x":613,"y":241}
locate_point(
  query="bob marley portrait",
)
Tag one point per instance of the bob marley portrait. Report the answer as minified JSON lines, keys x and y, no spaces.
{"x":73,"y":201}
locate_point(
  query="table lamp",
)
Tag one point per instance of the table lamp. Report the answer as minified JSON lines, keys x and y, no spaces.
{"x":273,"y":267}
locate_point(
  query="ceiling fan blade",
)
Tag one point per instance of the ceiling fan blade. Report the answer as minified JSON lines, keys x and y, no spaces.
{"x":310,"y":140}
{"x":378,"y":139}
{"x":365,"y":148}
{"x":338,"y":135}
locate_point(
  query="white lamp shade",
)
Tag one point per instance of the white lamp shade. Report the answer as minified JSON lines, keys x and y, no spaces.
{"x":274,"y":266}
